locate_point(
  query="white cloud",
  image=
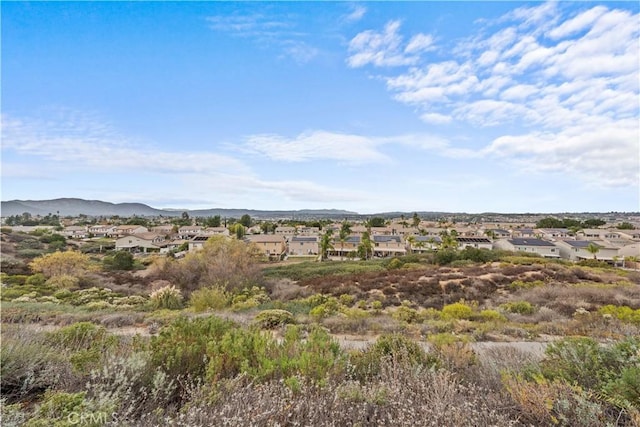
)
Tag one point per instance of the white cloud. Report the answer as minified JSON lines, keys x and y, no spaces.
{"x":578,"y":23}
{"x":559,"y":78}
{"x":603,"y":156}
{"x":268,"y":31}
{"x":436,"y":118}
{"x":385,"y":49}
{"x":357,"y":13}
{"x":85,"y":143}
{"x":420,"y":43}
{"x":316,"y":145}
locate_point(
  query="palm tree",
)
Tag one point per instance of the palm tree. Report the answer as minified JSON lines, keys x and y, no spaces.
{"x":325,"y":244}
{"x":411,"y":240}
{"x":593,"y":249}
{"x":449,"y":240}
{"x":345,"y":231}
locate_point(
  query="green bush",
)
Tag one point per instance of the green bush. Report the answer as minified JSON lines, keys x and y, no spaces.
{"x":270,"y":319}
{"x":214,"y":297}
{"x":623,"y":313}
{"x":519,"y":307}
{"x":61,"y":409}
{"x":366,"y":364}
{"x":405,"y":314}
{"x":458,"y":310}
{"x":180,"y":348}
{"x":491,"y":316}
{"x":37,"y":279}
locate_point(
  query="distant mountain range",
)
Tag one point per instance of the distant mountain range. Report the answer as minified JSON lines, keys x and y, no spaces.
{"x":75,"y":207}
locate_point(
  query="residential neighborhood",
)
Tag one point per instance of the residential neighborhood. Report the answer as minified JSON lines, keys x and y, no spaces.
{"x":387,"y":237}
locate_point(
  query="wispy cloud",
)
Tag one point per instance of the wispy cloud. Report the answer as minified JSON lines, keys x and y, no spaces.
{"x":345,"y":148}
{"x":386,"y":48}
{"x":73,"y":142}
{"x":268,"y":30}
{"x":356,"y":13}
{"x":570,"y":83}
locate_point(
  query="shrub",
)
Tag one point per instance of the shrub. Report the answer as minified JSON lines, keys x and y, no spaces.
{"x":519,"y":284}
{"x":623,"y":313}
{"x":270,"y":319}
{"x":367,"y":364}
{"x":61,"y":263}
{"x":214,"y":297}
{"x":61,"y":409}
{"x":519,"y":307}
{"x":405,"y":314}
{"x":180,"y":349}
{"x":491,"y":316}
{"x":167,"y":297}
{"x":37,"y":279}
{"x":458,"y":310}
{"x":64,"y":281}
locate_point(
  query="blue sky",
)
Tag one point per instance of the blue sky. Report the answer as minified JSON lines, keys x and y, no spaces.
{"x":366,"y":106}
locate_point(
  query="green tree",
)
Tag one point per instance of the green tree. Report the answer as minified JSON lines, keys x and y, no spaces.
{"x":549,"y":223}
{"x":594,"y":222}
{"x":415,"y":219}
{"x":593,"y":249}
{"x":213,"y":221}
{"x":411,"y":240}
{"x":239,"y":230}
{"x":365,"y":248}
{"x":325,"y":244}
{"x":345,"y":231}
{"x":448,"y":240}
{"x":245,"y":220}
{"x":625,"y":226}
{"x":377,"y":221}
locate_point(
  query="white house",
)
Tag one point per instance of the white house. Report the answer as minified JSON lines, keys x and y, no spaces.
{"x":535,"y":246}
{"x":474,"y":242}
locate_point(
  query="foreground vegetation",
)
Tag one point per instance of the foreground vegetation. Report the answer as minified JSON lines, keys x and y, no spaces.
{"x":218,"y":337}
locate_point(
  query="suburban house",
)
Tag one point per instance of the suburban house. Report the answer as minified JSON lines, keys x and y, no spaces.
{"x":467,"y":232}
{"x":553,"y":233}
{"x":474,"y":242}
{"x":421,"y":244}
{"x":103,"y":230}
{"x":343,"y":249}
{"x":384,"y":231}
{"x":523,"y":232}
{"x":196,"y":243}
{"x":497,"y":233}
{"x":75,"y":232}
{"x":215,"y":231}
{"x":576,"y":250}
{"x":162,"y":229}
{"x":272,"y":245}
{"x":308,"y":231}
{"x":532,"y":245}
{"x":630,"y":234}
{"x":303,"y":245}
{"x":285,"y":231}
{"x":188,"y":232}
{"x":126,"y":230}
{"x":384,"y":246}
{"x":142,"y":242}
